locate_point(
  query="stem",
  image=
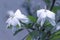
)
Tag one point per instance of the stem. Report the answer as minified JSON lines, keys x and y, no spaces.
{"x":52,"y":5}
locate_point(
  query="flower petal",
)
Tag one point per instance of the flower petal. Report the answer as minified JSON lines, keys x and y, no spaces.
{"x":21,"y":16}
{"x":41,"y":13}
{"x":58,"y":26}
{"x":41,"y":21}
{"x":50,"y":14}
{"x":18,"y":14}
{"x":13,"y":21}
{"x":9,"y":20}
{"x":53,"y":23}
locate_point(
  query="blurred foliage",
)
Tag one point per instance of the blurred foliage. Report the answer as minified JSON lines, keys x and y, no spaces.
{"x":55,"y":9}
{"x":32,"y":36}
{"x":55,"y":35}
{"x":29,"y":37}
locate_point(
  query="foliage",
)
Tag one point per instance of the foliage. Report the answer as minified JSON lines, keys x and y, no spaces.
{"x":55,"y":9}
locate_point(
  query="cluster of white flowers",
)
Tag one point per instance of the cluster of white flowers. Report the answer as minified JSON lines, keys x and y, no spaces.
{"x":42,"y":15}
{"x":15,"y":17}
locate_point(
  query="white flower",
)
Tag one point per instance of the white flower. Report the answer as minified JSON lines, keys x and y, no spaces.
{"x":15,"y":17}
{"x":44,"y":15}
{"x":21,"y":16}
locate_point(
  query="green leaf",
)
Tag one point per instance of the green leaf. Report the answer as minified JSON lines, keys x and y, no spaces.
{"x":29,"y":37}
{"x":55,"y":9}
{"x":55,"y":36}
{"x":33,"y":19}
{"x":17,"y":31}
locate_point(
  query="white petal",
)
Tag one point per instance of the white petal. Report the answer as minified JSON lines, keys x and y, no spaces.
{"x":9,"y":20}
{"x":25,"y":20}
{"x":13,"y":21}
{"x":21,"y":16}
{"x":58,"y":26}
{"x":41,"y":13}
{"x":51,"y":14}
{"x":53,"y":23}
{"x":42,"y":21}
{"x":39,"y":20}
{"x":18,"y":14}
